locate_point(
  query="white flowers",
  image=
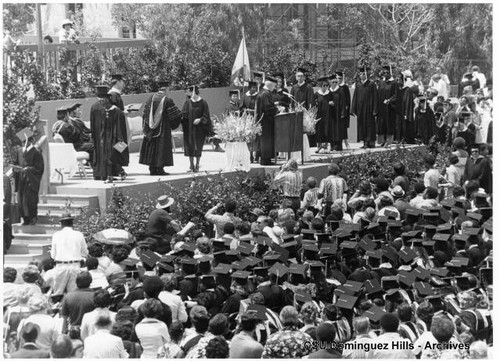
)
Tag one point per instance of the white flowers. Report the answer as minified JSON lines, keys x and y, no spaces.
{"x":310,"y":119}
{"x":234,"y":128}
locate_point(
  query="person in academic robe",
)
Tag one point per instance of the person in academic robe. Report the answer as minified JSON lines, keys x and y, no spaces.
{"x":107,"y":123}
{"x":326,"y":115}
{"x":82,"y":141}
{"x":117,"y":86}
{"x":280,"y":94}
{"x":160,"y":116}
{"x":248,"y":101}
{"x":233,"y":106}
{"x":303,"y":93}
{"x":28,"y":177}
{"x":258,"y":78}
{"x":345,"y":107}
{"x":196,"y":125}
{"x":266,"y":110}
{"x":387,"y":114}
{"x":338,"y":131}
{"x":407,"y":107}
{"x":248,"y":105}
{"x":424,"y":120}
{"x":365,"y":107}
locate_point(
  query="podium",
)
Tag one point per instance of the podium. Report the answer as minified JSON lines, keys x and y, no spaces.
{"x":288,"y":131}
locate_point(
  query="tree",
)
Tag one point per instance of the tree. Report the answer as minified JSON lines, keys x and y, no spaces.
{"x":198,"y":42}
{"x":17,"y":17}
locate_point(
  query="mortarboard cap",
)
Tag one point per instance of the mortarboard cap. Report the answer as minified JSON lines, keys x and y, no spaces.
{"x":421,"y":273}
{"x":413,"y":212}
{"x":252,"y":84}
{"x":377,"y":254}
{"x":406,"y":278}
{"x":375,"y":313}
{"x":367,"y":244}
{"x":429,"y":246}
{"x":101,"y":90}
{"x":472,"y":231}
{"x":272,"y":79}
{"x":463,"y":282}
{"x":188,"y":249}
{"x":222,"y":269}
{"x":488,"y":226}
{"x":259,"y":311}
{"x":436,"y":302}
{"x":279,"y":269}
{"x":232,"y":255}
{"x":302,"y":297}
{"x":475,"y":216}
{"x":322,"y":79}
{"x":458,"y":262}
{"x":149,"y":258}
{"x":310,"y":251}
{"x":234,"y":92}
{"x":261,"y":271}
{"x":389,"y":252}
{"x":272,"y":258}
{"x":264,"y":240}
{"x":328,"y":250}
{"x":208,"y":280}
{"x":297,"y":269}
{"x":486,"y":212}
{"x":339,"y":73}
{"x":252,"y":260}
{"x":316,"y":266}
{"x":407,"y":255}
{"x":444,"y":228}
{"x":188,"y":265}
{"x":245,"y":248}
{"x":301,"y":70}
{"x":279,"y":75}
{"x":307,"y":234}
{"x":439,"y":271}
{"x":423,"y":288}
{"x":353,"y":287}
{"x":241,"y":277}
{"x":239,"y":265}
{"x":372,"y":286}
{"x":258,"y":74}
{"x":346,"y":301}
{"x":389,"y":282}
{"x":130,"y":262}
{"x":416,"y":242}
{"x":441,"y":237}
{"x":73,"y":106}
{"x":221,"y":257}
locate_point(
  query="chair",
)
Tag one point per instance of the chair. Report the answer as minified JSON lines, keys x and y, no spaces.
{"x":177,"y":134}
{"x":135,"y":134}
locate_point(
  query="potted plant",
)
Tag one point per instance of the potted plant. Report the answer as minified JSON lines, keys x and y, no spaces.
{"x":236,"y":131}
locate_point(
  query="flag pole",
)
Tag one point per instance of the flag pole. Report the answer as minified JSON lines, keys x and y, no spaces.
{"x":243,"y":34}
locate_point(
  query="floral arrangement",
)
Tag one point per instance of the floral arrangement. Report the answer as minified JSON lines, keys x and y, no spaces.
{"x":310,"y":118}
{"x":237,"y":128}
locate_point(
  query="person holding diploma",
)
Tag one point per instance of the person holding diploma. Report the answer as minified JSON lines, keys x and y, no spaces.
{"x":106,"y":126}
{"x":28,"y":176}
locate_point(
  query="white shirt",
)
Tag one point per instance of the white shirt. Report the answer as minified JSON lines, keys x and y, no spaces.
{"x":68,"y":245}
{"x":98,"y":279}
{"x":391,"y":339}
{"x":152,"y":334}
{"x":104,"y":345}
{"x":89,"y":319}
{"x":176,"y":305}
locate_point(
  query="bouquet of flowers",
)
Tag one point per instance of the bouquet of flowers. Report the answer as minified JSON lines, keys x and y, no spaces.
{"x":310,"y":119}
{"x":237,"y":128}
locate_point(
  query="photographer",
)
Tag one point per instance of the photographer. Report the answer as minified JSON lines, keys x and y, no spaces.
{"x":291,"y":180}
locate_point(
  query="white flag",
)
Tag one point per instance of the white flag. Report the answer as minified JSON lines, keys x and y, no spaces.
{"x":241,"y":67}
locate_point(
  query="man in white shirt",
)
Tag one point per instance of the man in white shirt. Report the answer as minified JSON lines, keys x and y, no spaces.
{"x":68,"y":250}
{"x":171,"y":299}
{"x":102,"y":344}
{"x":479,"y":76}
{"x":102,"y":301}
{"x":390,"y":345}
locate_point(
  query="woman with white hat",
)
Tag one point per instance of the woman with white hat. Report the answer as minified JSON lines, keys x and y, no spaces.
{"x":67,"y":34}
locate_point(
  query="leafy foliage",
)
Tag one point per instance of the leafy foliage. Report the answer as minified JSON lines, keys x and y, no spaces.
{"x":17,"y":17}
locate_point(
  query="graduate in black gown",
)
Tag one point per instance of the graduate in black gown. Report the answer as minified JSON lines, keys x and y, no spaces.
{"x":159,"y":118}
{"x":365,"y":107}
{"x":407,"y":107}
{"x":326,"y":116}
{"x":266,"y":110}
{"x":196,"y":125}
{"x":107,"y":126}
{"x":117,"y":86}
{"x":424,"y":120}
{"x":248,"y":105}
{"x":338,"y":111}
{"x":280,"y":94}
{"x":303,"y":94}
{"x":345,"y":107}
{"x":387,"y":114}
{"x":27,"y":179}
{"x":82,"y":141}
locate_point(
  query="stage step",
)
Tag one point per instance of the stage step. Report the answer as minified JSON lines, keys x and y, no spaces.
{"x":37,"y":229}
{"x":10,"y":260}
{"x":54,"y":207}
{"x":28,"y":249}
{"x":33,"y":238}
{"x":74,"y":200}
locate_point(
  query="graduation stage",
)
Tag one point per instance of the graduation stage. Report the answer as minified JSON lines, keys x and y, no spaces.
{"x":139,"y":183}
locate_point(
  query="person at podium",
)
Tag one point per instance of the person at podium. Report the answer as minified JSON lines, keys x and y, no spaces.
{"x":266,"y":110}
